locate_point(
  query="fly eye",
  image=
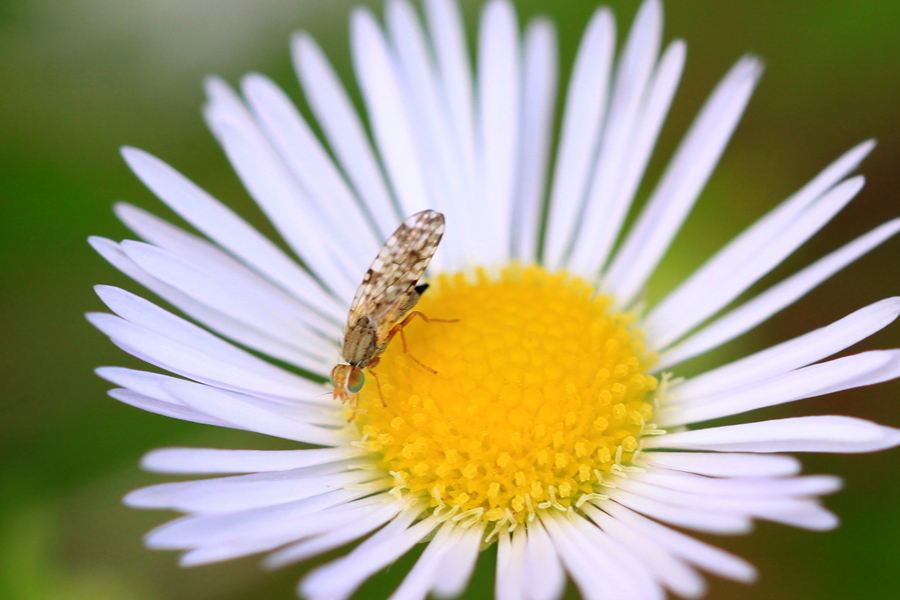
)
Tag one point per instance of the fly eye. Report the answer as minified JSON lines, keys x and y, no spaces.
{"x":356,"y":381}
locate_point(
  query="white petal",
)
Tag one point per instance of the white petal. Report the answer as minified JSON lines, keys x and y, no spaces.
{"x":339,"y":579}
{"x":304,"y":155}
{"x":166,"y":409}
{"x":288,"y":525}
{"x":272,"y":526}
{"x":667,"y":569}
{"x":147,"y":315}
{"x":171,"y":356}
{"x":208,"y":258}
{"x":276,"y":191}
{"x":743,"y":487}
{"x":867,"y":368}
{"x":580,"y":134}
{"x":187,"y":361}
{"x":212,"y":319}
{"x":288,"y":528}
{"x":544,"y":575}
{"x":251,"y":305}
{"x":226,"y":274}
{"x":326,"y":526}
{"x":693,"y":551}
{"x":212,"y":460}
{"x":155,"y":386}
{"x":454,"y":75}
{"x":709,"y":522}
{"x":509,"y":584}
{"x":227,"y":229}
{"x":805,"y":514}
{"x":220,"y":270}
{"x":638,"y":579}
{"x":354,"y":529}
{"x":799,"y":434}
{"x":742,"y":249}
{"x":204,"y":555}
{"x":255,"y":414}
{"x":539,"y":73}
{"x":144,"y":390}
{"x":704,"y":504}
{"x":497,"y":131}
{"x":243,"y":492}
{"x":755,"y":311}
{"x":420,"y":579}
{"x":600,"y":567}
{"x":255,"y":523}
{"x":456,"y":568}
{"x":141,"y":382}
{"x":605,"y":209}
{"x":390,"y":120}
{"x":732,"y":464}
{"x":654,"y":108}
{"x":589,"y":580}
{"x":682,"y":182}
{"x":798,"y":352}
{"x":666,"y":327}
{"x":432,"y":130}
{"x":345,"y":133}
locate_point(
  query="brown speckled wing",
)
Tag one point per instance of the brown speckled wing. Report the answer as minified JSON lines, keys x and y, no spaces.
{"x":391,"y":279}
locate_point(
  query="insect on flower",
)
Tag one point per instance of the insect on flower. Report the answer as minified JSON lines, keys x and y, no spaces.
{"x":384,"y":302}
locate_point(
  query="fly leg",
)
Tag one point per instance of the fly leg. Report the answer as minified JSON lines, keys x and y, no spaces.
{"x":398,"y":328}
{"x":370,"y":368}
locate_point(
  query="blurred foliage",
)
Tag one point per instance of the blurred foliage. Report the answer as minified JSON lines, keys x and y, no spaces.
{"x":82,"y":77}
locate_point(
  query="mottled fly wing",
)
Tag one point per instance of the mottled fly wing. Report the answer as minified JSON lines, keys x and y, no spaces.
{"x":390,"y":282}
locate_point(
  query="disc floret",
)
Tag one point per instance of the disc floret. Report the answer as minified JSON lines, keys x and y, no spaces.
{"x":541,"y":392}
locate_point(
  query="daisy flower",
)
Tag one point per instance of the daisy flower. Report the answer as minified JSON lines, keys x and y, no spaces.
{"x":557,"y":430}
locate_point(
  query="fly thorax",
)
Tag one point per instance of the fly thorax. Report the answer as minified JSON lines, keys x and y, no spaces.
{"x":360,"y":342}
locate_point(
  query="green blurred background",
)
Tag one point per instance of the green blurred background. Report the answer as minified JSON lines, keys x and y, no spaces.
{"x":79,"y":78}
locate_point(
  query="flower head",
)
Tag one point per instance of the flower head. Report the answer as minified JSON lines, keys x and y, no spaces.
{"x":537,"y":405}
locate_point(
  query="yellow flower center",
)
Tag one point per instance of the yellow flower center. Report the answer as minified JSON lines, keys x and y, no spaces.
{"x":540,"y":392}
